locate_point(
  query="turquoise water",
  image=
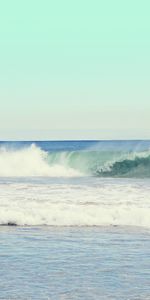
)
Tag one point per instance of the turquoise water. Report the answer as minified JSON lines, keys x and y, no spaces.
{"x":127,"y":159}
{"x":75,"y":220}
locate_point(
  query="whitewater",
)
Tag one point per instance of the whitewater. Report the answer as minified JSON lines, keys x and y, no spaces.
{"x":78,"y":183}
{"x":31,"y":160}
{"x":75,"y":220}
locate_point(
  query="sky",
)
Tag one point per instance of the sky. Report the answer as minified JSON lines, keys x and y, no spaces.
{"x":74,"y":69}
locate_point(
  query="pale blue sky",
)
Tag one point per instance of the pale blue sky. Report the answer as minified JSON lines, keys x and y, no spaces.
{"x":74,"y":69}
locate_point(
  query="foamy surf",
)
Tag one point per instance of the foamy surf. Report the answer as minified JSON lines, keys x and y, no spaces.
{"x":34,"y":161}
{"x":31,"y":161}
{"x":80,"y":203}
{"x":86,"y":230}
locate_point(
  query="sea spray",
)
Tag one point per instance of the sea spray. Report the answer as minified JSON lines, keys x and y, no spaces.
{"x":34,"y":161}
{"x":30,"y":161}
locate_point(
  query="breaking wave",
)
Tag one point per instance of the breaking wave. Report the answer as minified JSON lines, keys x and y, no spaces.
{"x":136,"y":167}
{"x":33,"y":161}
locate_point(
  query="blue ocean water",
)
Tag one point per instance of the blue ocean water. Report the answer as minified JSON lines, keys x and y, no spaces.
{"x":75,"y":220}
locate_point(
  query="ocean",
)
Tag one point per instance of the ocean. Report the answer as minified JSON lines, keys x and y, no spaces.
{"x":75,"y":220}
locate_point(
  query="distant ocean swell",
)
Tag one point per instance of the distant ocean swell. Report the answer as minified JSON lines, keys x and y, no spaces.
{"x":33,"y":161}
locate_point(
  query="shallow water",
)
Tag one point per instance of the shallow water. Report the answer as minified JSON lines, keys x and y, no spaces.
{"x":74,"y":263}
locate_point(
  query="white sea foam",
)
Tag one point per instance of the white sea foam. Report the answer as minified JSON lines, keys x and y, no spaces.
{"x":83,"y":201}
{"x":105,"y":203}
{"x":31,"y":161}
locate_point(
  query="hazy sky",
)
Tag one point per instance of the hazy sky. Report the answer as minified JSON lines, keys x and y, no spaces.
{"x":74,"y":69}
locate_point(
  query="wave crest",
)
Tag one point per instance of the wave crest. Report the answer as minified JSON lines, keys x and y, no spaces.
{"x":30,"y":161}
{"x":137,"y":166}
{"x":33,"y":161}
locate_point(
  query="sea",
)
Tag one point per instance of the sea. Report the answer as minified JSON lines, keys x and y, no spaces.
{"x":75,"y":220}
